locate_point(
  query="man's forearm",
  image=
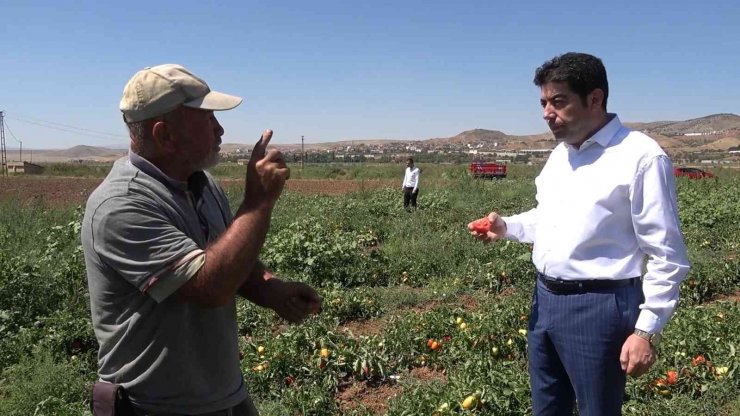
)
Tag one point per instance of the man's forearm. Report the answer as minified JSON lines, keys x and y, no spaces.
{"x":256,"y":287}
{"x":231,"y":258}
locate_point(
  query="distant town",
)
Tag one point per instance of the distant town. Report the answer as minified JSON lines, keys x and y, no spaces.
{"x":476,"y":150}
{"x":399,"y":151}
{"x":712,"y":140}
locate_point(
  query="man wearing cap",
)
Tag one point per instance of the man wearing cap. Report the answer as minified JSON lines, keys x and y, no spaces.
{"x":165,"y":258}
{"x":608,"y":249}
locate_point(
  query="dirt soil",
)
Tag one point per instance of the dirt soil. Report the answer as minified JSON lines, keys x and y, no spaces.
{"x":428,"y":374}
{"x":372,"y":396}
{"x":376,"y":326}
{"x":49,"y":190}
{"x":368,"y":327}
{"x":732,"y":297}
{"x":53,"y":191}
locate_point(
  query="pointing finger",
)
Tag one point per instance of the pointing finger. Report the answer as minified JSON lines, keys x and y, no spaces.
{"x":266,"y":136}
{"x":261,"y":146}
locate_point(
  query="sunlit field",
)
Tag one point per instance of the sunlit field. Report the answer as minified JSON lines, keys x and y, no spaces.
{"x":418,"y":318}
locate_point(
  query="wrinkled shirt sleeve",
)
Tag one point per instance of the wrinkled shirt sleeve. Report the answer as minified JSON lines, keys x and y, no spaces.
{"x":141,"y":244}
{"x":521,"y":227}
{"x":655,"y":220}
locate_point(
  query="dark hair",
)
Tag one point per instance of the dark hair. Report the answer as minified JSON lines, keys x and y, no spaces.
{"x":411,"y":159}
{"x":582,"y":72}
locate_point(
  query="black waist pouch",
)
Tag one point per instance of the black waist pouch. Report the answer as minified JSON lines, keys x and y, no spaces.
{"x":110,"y":399}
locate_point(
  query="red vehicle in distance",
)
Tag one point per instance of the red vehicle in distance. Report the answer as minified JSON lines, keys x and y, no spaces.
{"x":692,"y":173}
{"x":487,"y":170}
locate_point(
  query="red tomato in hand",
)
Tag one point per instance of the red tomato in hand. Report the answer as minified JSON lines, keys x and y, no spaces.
{"x":482,"y":226}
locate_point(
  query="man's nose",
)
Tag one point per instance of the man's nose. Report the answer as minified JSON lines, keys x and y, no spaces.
{"x":547,"y":112}
{"x":217,"y":128}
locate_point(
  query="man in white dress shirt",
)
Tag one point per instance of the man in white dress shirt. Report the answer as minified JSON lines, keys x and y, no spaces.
{"x":410,"y":184}
{"x":606,"y":211}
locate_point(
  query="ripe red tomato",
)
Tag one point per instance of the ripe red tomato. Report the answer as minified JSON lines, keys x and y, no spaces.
{"x":482,"y":226}
{"x":672,"y":377}
{"x":698,"y":360}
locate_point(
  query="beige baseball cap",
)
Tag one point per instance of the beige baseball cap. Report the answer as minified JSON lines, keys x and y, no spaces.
{"x":157,"y":90}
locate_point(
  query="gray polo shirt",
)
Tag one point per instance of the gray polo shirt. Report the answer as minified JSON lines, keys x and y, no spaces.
{"x":143,"y":237}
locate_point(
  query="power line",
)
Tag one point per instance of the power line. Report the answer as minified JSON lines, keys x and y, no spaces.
{"x":20,"y":154}
{"x":7,"y":126}
{"x":3,"y":154}
{"x":82,"y":133}
{"x":26,"y":118}
{"x":65,"y":127}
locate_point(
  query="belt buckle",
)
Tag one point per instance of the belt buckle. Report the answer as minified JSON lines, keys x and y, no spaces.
{"x":563,"y":286}
{"x":573,"y":285}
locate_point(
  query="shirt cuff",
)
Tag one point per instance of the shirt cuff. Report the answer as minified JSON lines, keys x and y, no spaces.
{"x":163,"y":284}
{"x":650,"y":322}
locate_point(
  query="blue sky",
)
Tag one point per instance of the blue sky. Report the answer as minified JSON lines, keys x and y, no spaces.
{"x":343,"y":70}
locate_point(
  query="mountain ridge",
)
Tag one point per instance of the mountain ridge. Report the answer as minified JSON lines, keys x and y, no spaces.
{"x":712,"y":132}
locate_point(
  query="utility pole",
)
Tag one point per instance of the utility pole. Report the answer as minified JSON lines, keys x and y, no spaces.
{"x":303,"y":153}
{"x":3,"y":154}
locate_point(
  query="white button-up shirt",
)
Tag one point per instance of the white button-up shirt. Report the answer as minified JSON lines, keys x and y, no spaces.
{"x":411,"y":178}
{"x":602,"y":209}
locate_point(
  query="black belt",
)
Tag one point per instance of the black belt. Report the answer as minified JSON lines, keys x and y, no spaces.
{"x":580,"y":286}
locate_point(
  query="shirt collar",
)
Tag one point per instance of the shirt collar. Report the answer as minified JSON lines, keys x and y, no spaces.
{"x":150,"y":169}
{"x":604,"y":136}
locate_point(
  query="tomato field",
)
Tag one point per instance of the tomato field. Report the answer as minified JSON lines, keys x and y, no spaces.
{"x":419,"y":318}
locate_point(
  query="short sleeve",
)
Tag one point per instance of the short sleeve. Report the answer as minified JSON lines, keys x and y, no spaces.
{"x":139,"y":241}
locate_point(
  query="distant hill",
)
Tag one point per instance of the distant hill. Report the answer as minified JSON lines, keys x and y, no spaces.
{"x":82,"y":152}
{"x":87,"y":152}
{"x":714,"y":132}
{"x":715,"y":123}
{"x":499,"y":138}
{"x":717,"y":132}
{"x":473,"y":136}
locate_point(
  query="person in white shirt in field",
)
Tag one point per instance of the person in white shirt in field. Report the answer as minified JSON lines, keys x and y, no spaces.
{"x":410,"y":184}
{"x":606,"y":211}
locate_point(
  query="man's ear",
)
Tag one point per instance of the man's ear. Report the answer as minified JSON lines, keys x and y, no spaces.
{"x":595,"y":98}
{"x":162,"y":135}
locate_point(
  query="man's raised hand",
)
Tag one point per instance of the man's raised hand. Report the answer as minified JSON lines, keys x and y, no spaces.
{"x":266,"y":173}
